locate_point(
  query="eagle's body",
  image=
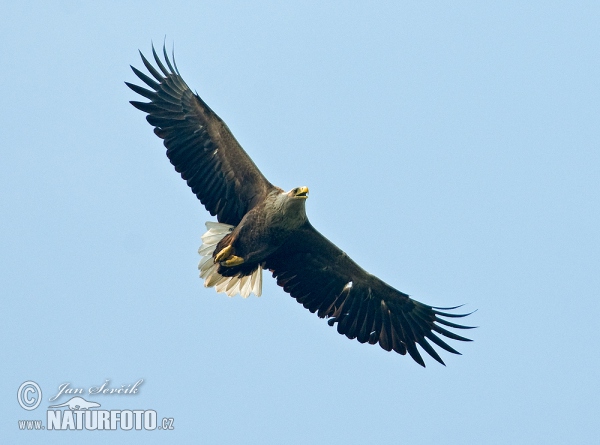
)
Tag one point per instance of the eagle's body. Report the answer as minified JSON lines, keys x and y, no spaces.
{"x":262,"y":227}
{"x":266,"y":227}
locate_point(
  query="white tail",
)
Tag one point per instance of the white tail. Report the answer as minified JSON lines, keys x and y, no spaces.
{"x":209,"y":269}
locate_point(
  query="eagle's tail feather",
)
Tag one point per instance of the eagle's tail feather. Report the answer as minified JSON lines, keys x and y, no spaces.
{"x":209,"y":270}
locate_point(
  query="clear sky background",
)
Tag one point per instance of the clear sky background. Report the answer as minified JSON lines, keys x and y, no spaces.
{"x":451,"y":148}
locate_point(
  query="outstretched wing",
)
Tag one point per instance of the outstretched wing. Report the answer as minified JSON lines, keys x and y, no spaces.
{"x":199,"y":144}
{"x":325,"y":280}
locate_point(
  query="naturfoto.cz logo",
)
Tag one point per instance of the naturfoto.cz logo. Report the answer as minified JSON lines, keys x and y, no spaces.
{"x":78,"y":413}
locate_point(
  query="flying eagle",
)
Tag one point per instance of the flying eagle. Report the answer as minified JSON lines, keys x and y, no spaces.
{"x":261,"y":226}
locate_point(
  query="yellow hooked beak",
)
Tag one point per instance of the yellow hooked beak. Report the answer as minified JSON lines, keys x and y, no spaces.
{"x":300,"y":192}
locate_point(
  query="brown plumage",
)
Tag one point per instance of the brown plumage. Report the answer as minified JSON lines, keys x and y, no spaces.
{"x":271,"y":231}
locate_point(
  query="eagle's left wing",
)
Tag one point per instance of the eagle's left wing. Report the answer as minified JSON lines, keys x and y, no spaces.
{"x":325,"y":280}
{"x":199,"y":144}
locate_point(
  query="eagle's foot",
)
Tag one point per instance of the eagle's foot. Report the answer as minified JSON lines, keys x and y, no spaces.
{"x":224,"y":254}
{"x":233,"y":260}
{"x":226,"y":257}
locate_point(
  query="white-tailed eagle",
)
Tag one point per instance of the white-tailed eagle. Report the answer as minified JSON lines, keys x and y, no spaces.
{"x":260,"y":226}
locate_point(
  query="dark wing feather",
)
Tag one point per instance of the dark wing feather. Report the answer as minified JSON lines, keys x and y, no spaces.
{"x":199,"y":144}
{"x":325,"y":280}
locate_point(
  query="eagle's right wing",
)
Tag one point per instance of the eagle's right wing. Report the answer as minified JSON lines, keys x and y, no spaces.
{"x":199,"y":144}
{"x":325,"y":280}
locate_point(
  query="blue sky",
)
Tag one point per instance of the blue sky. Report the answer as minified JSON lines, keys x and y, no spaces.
{"x":450,"y":148}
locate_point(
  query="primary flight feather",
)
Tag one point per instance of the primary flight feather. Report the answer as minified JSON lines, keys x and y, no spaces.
{"x":260,"y":226}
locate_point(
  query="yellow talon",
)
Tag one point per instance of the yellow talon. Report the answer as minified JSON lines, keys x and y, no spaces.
{"x":233,"y":260}
{"x":223,"y":254}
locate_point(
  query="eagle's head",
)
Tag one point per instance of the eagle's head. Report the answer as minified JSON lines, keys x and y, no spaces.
{"x":289,"y":207}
